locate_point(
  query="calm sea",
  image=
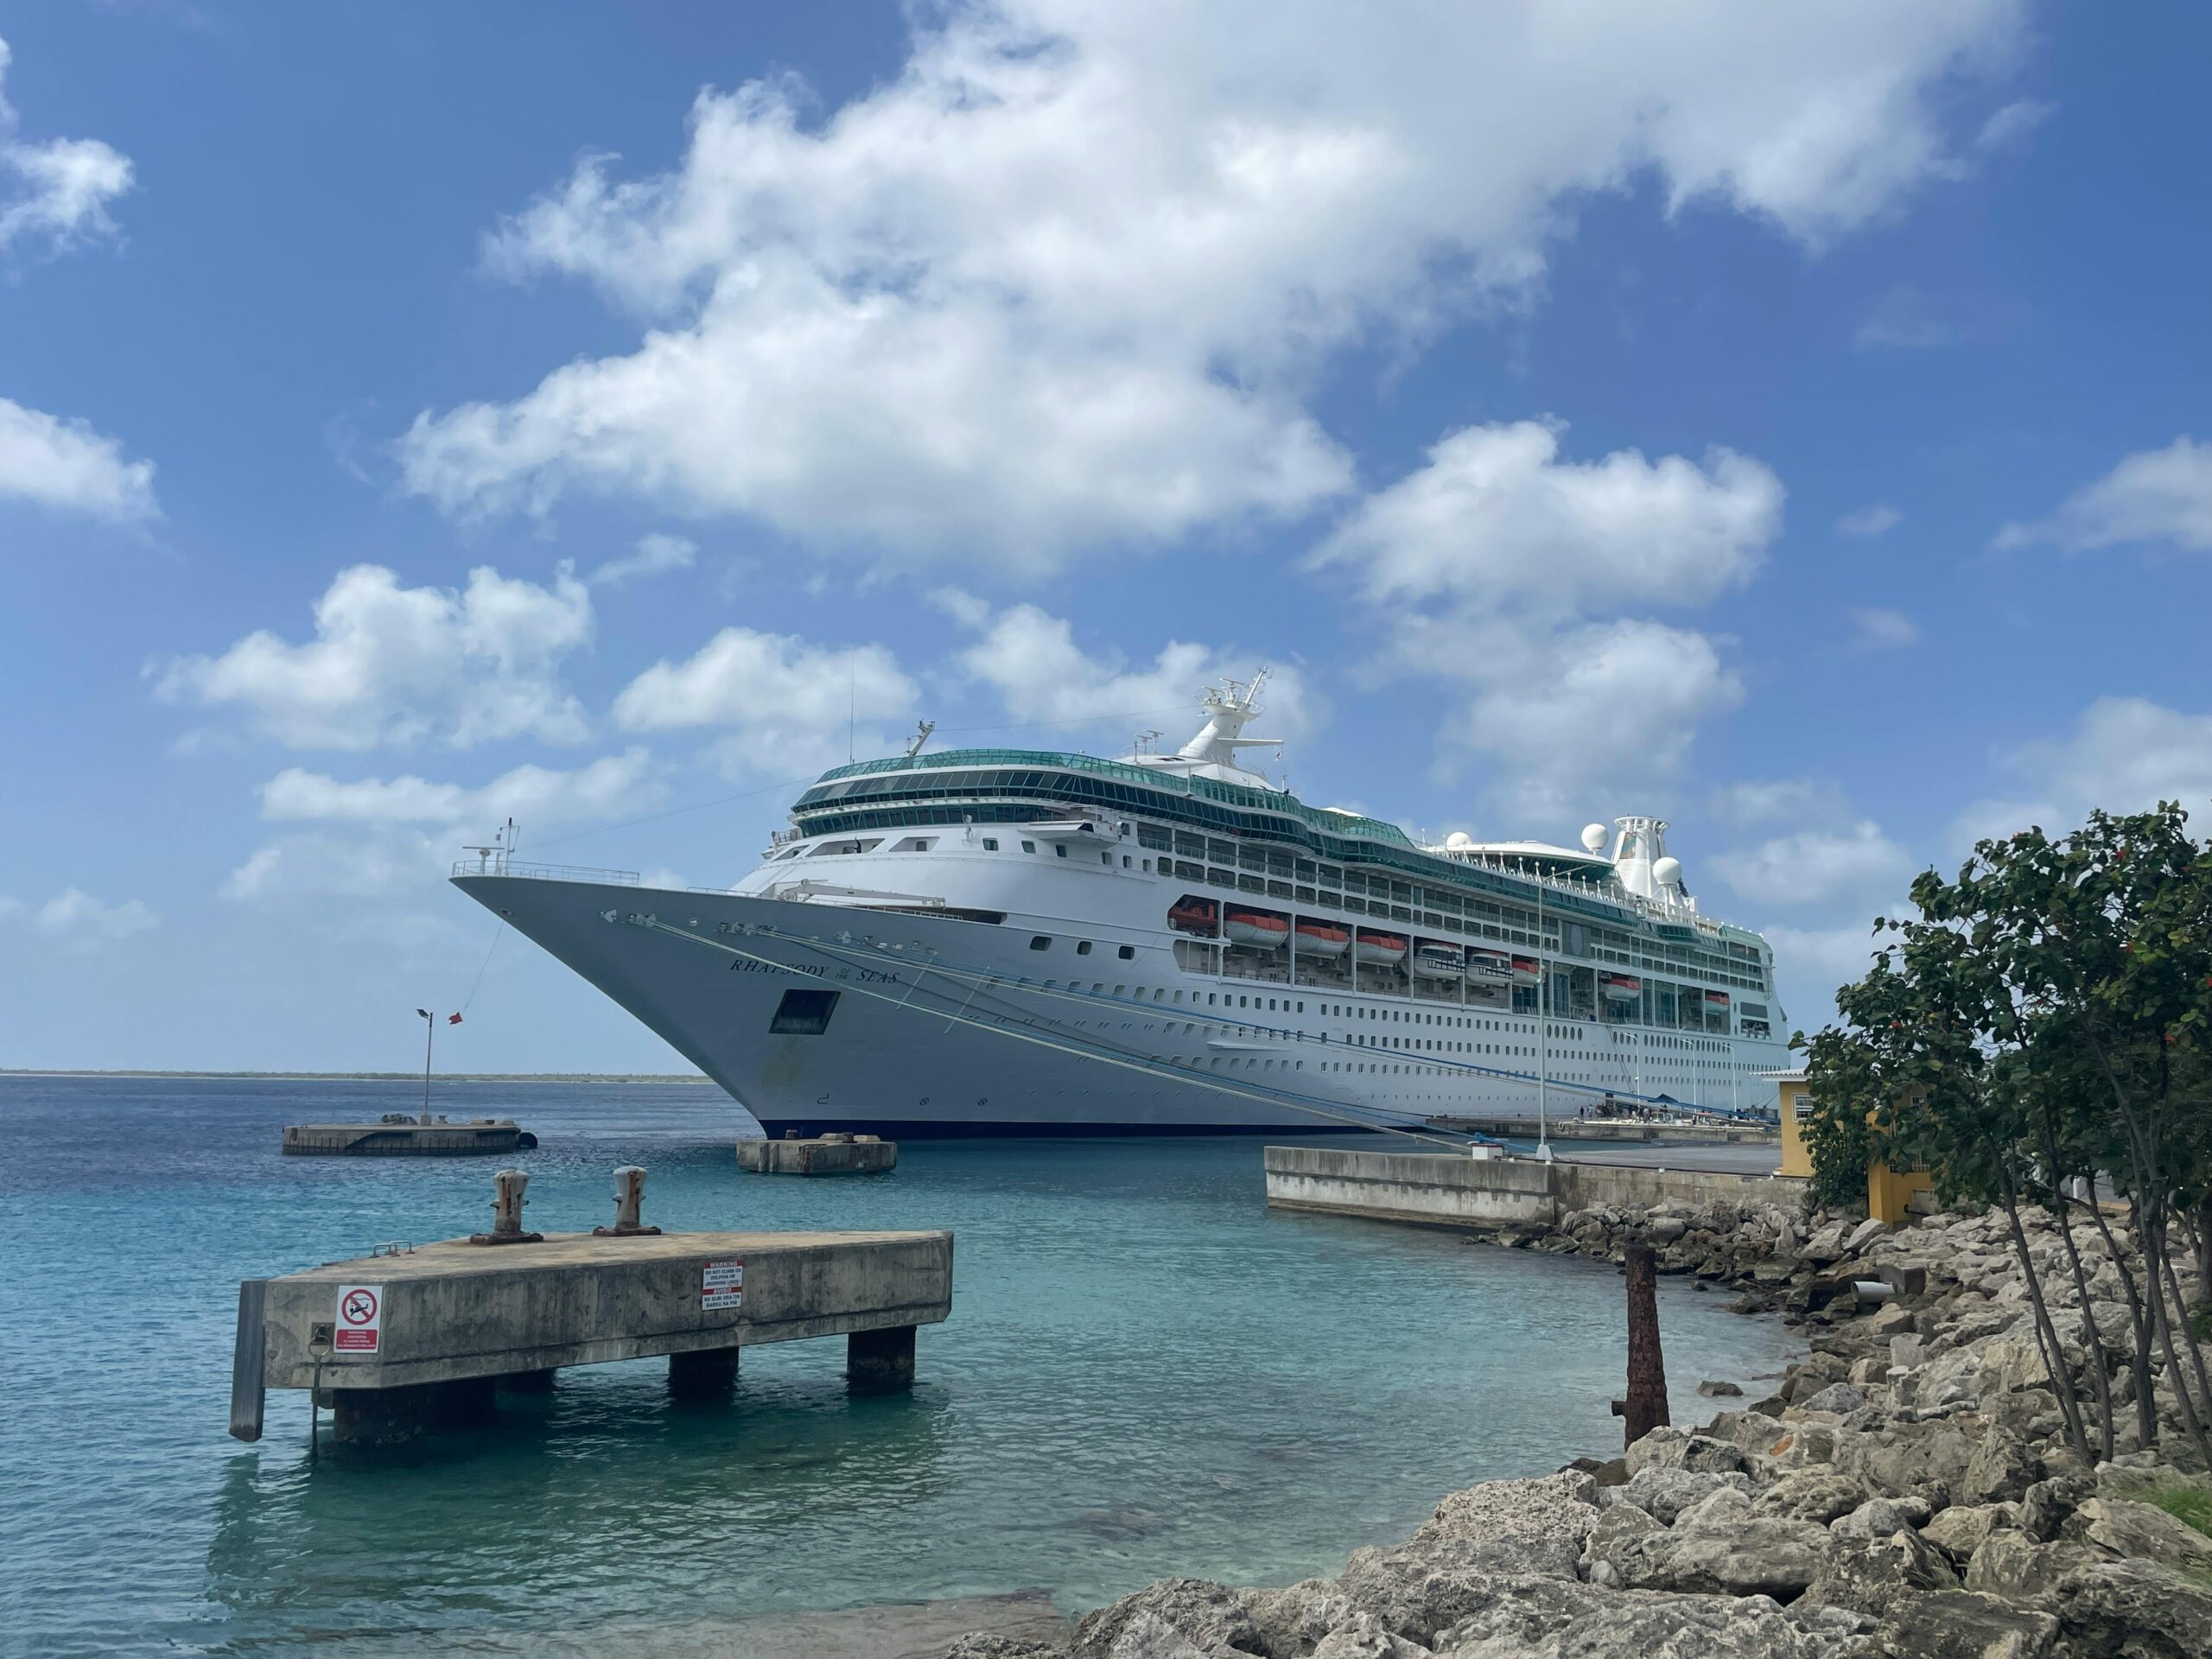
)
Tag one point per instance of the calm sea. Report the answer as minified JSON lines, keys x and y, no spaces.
{"x":1145,"y":1372}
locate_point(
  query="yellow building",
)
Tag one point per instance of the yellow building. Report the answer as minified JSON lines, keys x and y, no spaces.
{"x":1889,"y":1193}
{"x":1796,"y":1104}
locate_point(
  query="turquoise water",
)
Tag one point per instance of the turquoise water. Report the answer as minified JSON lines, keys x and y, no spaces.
{"x":1145,"y":1372}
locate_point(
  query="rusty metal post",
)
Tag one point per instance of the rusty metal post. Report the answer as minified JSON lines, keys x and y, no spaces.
{"x":629,"y":1201}
{"x":506,"y":1211}
{"x":1645,"y":1409}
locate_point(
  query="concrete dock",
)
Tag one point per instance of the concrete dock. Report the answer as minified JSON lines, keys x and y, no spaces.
{"x":406,"y":1138}
{"x":1447,"y":1190}
{"x":426,"y":1338}
{"x":820,"y":1154}
{"x":1616,"y":1130}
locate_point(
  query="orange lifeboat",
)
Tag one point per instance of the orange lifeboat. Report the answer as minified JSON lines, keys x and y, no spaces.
{"x":1381,"y":950}
{"x":1256,"y":928}
{"x":1620,"y":987}
{"x":1527,"y":970}
{"x":1322,"y":938}
{"x":1488,"y":964}
{"x":1434,"y":959}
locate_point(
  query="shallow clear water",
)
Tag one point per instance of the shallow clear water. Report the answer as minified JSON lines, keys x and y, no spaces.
{"x":1145,"y":1371}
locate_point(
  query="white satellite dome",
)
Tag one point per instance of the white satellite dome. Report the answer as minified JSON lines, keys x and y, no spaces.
{"x":1668,"y":872}
{"x":1458,"y":841}
{"x":1593,"y":837}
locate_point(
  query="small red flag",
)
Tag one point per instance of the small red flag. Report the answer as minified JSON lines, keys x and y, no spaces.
{"x":452,"y":1020}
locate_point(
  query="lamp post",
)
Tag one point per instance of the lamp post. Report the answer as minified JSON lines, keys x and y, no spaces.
{"x":430,"y":1035}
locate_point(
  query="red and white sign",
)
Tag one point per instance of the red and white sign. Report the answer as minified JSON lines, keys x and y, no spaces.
{"x":722,"y":1285}
{"x":359,"y":1327}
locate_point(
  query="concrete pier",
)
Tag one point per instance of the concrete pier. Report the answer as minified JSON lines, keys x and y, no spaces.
{"x":483,"y":1138}
{"x":400,"y":1343}
{"x":1445,"y":1190}
{"x":823,"y":1154}
{"x":1615,"y":1130}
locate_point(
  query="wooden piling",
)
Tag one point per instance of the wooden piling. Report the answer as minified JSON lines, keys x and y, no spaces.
{"x":1645,"y":1409}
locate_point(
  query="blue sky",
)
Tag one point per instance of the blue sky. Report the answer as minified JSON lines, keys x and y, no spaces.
{"x":1788,"y":423}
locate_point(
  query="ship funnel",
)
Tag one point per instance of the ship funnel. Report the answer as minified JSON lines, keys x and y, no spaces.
{"x":1640,"y":845}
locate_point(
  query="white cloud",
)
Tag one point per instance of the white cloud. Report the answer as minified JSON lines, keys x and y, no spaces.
{"x":1069,"y":276}
{"x":784,"y":705}
{"x":1818,"y":867}
{"x":392,"y":862}
{"x":653,"y":555}
{"x":2009,"y":127}
{"x":534,"y":795}
{"x":1869,"y":521}
{"x":79,"y":922}
{"x":1766,"y":801}
{"x":2123,"y":754}
{"x":1811,"y":963}
{"x":1496,"y":515}
{"x":1587,"y":719}
{"x":1906,"y":320}
{"x":1031,"y":659}
{"x":61,"y":188}
{"x":2159,"y":495}
{"x":66,"y":466}
{"x":1874,"y":629}
{"x":397,"y":665}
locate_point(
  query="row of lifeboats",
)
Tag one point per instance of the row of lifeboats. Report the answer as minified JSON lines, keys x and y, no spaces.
{"x":1431,"y":959}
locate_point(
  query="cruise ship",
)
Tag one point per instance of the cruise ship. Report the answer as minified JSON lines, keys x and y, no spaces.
{"x":1009,"y":942}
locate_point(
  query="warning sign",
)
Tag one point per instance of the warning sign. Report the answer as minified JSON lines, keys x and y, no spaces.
{"x":360,"y":1319}
{"x":722,"y":1285}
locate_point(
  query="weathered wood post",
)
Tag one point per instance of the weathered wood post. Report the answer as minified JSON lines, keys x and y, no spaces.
{"x":1645,"y":1409}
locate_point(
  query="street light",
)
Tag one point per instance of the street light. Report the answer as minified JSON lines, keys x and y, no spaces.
{"x":429,"y":1034}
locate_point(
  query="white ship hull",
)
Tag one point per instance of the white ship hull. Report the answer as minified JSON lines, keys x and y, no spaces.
{"x":925,"y":1039}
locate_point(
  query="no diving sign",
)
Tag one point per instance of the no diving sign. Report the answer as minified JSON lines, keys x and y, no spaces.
{"x":360,"y":1319}
{"x":722,"y":1285}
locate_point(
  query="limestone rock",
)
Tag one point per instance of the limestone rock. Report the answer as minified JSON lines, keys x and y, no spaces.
{"x":1362,"y":1636}
{"x":1417,"y":1589}
{"x":2135,"y":1609}
{"x":1865,"y":1574}
{"x":1687,"y":1627}
{"x":1672,"y":1448}
{"x":2002,"y":1469}
{"x":1534,"y":1526}
{"x":1961,"y":1624}
{"x":1894,"y":1319}
{"x":1291,"y":1622}
{"x":1171,"y":1618}
{"x":1959,"y":1531}
{"x":2049,"y":1501}
{"x":1864,"y":1234}
{"x":1922,"y":1458}
{"x":1617,"y":1523}
{"x":1521,"y":1621}
{"x":1878,"y":1517}
{"x":2012,"y":1564}
{"x":2122,"y":1528}
{"x":1838,"y":1397}
{"x":1817,"y":1495}
{"x":1665,"y":1493}
{"x":1760,"y":1555}
{"x":990,"y":1645}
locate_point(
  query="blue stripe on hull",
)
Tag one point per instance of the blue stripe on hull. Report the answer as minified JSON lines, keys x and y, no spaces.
{"x":900,"y":1128}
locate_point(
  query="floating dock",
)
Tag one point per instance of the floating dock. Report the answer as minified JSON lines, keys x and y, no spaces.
{"x":406,"y":1138}
{"x":398,"y":1344}
{"x":822,"y":1155}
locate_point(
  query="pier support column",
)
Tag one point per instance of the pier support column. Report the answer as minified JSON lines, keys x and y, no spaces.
{"x":389,"y":1416}
{"x":881,"y":1361}
{"x":526,"y":1383}
{"x":706,"y":1374}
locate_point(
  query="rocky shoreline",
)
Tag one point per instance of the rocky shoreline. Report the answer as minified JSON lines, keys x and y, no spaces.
{"x":1907,"y":1493}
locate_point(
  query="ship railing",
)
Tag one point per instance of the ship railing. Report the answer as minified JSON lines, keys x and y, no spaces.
{"x":500,"y":864}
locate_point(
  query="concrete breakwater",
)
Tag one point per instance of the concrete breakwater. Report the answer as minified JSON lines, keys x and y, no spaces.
{"x":1906,"y":1493}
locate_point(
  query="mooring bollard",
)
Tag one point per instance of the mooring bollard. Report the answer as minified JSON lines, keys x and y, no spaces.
{"x":629,"y":1200}
{"x":506,"y":1211}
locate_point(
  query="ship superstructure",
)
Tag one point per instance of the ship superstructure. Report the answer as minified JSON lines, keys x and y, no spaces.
{"x":1024,"y":942}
